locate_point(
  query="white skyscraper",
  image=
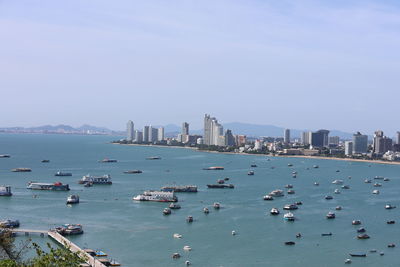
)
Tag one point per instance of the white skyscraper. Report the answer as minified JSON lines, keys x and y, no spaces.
{"x":212,"y":131}
{"x":286,"y":137}
{"x":130,"y":131}
{"x":153,"y":134}
{"x":138,"y":136}
{"x":160,"y":134}
{"x":348,"y":148}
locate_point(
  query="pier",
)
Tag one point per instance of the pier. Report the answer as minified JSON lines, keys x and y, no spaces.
{"x":93,"y":262}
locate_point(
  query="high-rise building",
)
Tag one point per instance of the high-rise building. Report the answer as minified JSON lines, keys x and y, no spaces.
{"x":319,"y":138}
{"x":305,"y":138}
{"x":382,"y":144}
{"x":240,"y":140}
{"x":146,"y":134}
{"x":398,"y":138}
{"x":130,"y":131}
{"x":348,"y":148}
{"x":286,"y":138}
{"x":160,"y":134}
{"x":138,"y":136}
{"x":207,"y":137}
{"x":334,"y":140}
{"x":185,"y":128}
{"x":153,"y":134}
{"x":360,"y":143}
{"x":212,"y":131}
{"x":229,"y":138}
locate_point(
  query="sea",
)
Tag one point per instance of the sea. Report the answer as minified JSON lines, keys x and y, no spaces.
{"x":138,"y":234}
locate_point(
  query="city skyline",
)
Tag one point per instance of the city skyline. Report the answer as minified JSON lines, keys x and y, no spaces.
{"x":63,"y":63}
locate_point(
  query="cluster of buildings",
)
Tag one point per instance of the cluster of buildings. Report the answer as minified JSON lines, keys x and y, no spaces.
{"x":310,"y":143}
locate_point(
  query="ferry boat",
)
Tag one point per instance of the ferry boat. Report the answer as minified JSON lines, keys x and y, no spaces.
{"x":73,"y":199}
{"x":276,"y":193}
{"x":21,"y":170}
{"x":105,"y":179}
{"x":107,"y":160}
{"x":220,"y":186}
{"x":60,"y":173}
{"x":57,"y":186}
{"x":180,"y":189}
{"x":214,"y":168}
{"x":70,"y":229}
{"x":156,"y":196}
{"x":133,"y":171}
{"x":153,"y":158}
{"x":9,"y":223}
{"x":5,"y":190}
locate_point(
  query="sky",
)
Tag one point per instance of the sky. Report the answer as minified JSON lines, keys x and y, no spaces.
{"x":296,"y":64}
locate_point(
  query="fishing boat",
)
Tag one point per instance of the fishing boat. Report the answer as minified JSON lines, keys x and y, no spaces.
{"x":356,"y":222}
{"x":189,"y":219}
{"x":291,"y":192}
{"x":206,"y":210}
{"x":328,"y":197}
{"x":60,"y":173}
{"x":345,"y":187}
{"x":337,"y":191}
{"x":274,"y":211}
{"x":221,"y":186}
{"x":73,"y":199}
{"x":290,"y":207}
{"x":367,"y":181}
{"x":268,"y":197}
{"x":330,"y":215}
{"x":5,"y":191}
{"x":57,"y":186}
{"x":363,"y":236}
{"x":21,"y":170}
{"x":361,"y":230}
{"x":100,"y":253}
{"x":289,"y":186}
{"x":216,"y":205}
{"x":156,"y":196}
{"x":391,"y":222}
{"x":107,"y":160}
{"x":133,"y":171}
{"x":389,"y":207}
{"x":214,"y":168}
{"x":105,"y":179}
{"x":377,"y":185}
{"x":338,"y":208}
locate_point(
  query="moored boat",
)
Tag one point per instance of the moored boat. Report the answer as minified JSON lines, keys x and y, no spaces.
{"x":216,"y":205}
{"x":174,"y":206}
{"x":214,"y":168}
{"x":153,"y":158}
{"x":206,"y":210}
{"x":276,"y":193}
{"x":5,"y":156}
{"x":189,"y":219}
{"x":180,"y":188}
{"x":107,"y":160}
{"x":70,"y":229}
{"x":220,"y":186}
{"x":45,"y":161}
{"x":57,"y":186}
{"x":268,"y":197}
{"x":5,"y":190}
{"x":289,"y":216}
{"x":105,"y":179}
{"x":330,"y":215}
{"x":133,"y":171}
{"x":156,"y":196}
{"x":167,"y":211}
{"x":250,"y":173}
{"x":21,"y":170}
{"x":274,"y":211}
{"x":73,"y":199}
{"x":290,"y":207}
{"x":60,"y":173}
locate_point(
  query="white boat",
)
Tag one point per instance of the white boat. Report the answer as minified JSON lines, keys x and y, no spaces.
{"x":337,"y":191}
{"x":217,"y":206}
{"x":73,"y":199}
{"x":57,"y":186}
{"x":274,"y":211}
{"x":375,"y":192}
{"x":187,"y":248}
{"x":367,"y":181}
{"x":389,"y":207}
{"x":316,"y":183}
{"x":289,"y":216}
{"x":330,"y":215}
{"x":276,"y":193}
{"x":5,"y":190}
{"x":268,"y":197}
{"x":290,"y":207}
{"x":377,"y":185}
{"x":206,"y":210}
{"x":105,"y":179}
{"x":177,"y":235}
{"x":9,"y":224}
{"x":167,"y":211}
{"x":337,"y":182}
{"x":156,"y":196}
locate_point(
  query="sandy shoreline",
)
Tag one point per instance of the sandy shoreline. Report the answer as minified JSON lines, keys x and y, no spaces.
{"x":281,"y":156}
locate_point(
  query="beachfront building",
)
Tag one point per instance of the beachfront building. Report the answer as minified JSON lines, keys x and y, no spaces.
{"x":334,"y":140}
{"x":286,"y":137}
{"x":213,"y":131}
{"x":240,"y":140}
{"x":319,"y":138}
{"x":305,"y":138}
{"x":160,"y":134}
{"x":229,"y":138}
{"x":138,"y":136}
{"x":360,"y":143}
{"x":185,"y":133}
{"x":146,"y":134}
{"x":348,"y":148}
{"x":382,"y":143}
{"x":130,"y":131}
{"x":398,"y":138}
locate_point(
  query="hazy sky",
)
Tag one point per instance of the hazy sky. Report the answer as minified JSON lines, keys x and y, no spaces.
{"x":296,"y":64}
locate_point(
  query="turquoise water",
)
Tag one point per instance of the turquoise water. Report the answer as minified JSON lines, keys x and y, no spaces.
{"x":137,"y":234}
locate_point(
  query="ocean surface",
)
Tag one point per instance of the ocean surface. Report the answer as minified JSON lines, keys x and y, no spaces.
{"x":138,"y":234}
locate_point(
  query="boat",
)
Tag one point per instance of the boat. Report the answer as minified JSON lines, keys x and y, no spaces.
{"x":189,"y":219}
{"x":99,"y":253}
{"x":316,"y":183}
{"x":337,"y":170}
{"x":250,"y":173}
{"x":315,"y":166}
{"x":214,"y":168}
{"x":167,"y":211}
{"x":73,"y":199}
{"x":326,"y":234}
{"x":294,"y":172}
{"x":338,"y":208}
{"x":330,"y":215}
{"x":57,"y":186}
{"x":176,"y":255}
{"x":5,"y":156}
{"x":216,"y":205}
{"x":90,"y":251}
{"x":226,"y":179}
{"x":290,"y":192}
{"x":114,"y":263}
{"x":105,"y":179}
{"x":220,"y":181}
{"x":5,"y":191}
{"x":133,"y":171}
{"x":347,"y":261}
{"x":187,"y":263}
{"x":60,"y":173}
{"x":187,"y":248}
{"x":21,"y":170}
{"x":276,"y":193}
{"x":290,"y":207}
{"x":174,"y":206}
{"x":107,"y":160}
{"x":361,"y":230}
{"x":298,"y":235}
{"x":367,"y":181}
{"x":70,"y":229}
{"x":233,"y":232}
{"x":206,"y":210}
{"x":376,"y":192}
{"x":268,"y":197}
{"x":298,"y":203}
{"x":290,"y":243}
{"x":289,"y":186}
{"x":290,"y":164}
{"x":339,"y":182}
{"x":253,"y":165}
{"x":45,"y":161}
{"x":391,"y":245}
{"x":378,"y":178}
{"x":177,"y":236}
{"x":389,"y":207}
{"x":363,"y":236}
{"x":274,"y":211}
{"x":156,"y":196}
{"x":89,"y":184}
{"x":377,"y":185}
{"x":337,"y":191}
{"x":328,"y":197}
{"x":9,"y":223}
{"x":345,"y":187}
{"x":294,"y":175}
{"x":358,"y":254}
{"x":386,"y":179}
{"x":289,"y":216}
{"x":391,"y":222}
{"x":356,"y":222}
{"x":180,"y":189}
{"x":153,"y":158}
{"x":220,"y":186}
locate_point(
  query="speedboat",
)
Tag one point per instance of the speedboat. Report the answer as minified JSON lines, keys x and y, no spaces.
{"x":386,"y":179}
{"x":274,"y":211}
{"x":376,"y":192}
{"x":367,"y":181}
{"x":378,"y":178}
{"x":347,"y":261}
{"x":250,"y":173}
{"x":339,"y":182}
{"x":316,"y":183}
{"x":361,"y":230}
{"x":289,"y":216}
{"x":177,"y":235}
{"x":330,"y":215}
{"x":290,"y":164}
{"x":338,"y":208}
{"x":290,"y":243}
{"x":389,"y":207}
{"x":290,"y":207}
{"x":289,"y":186}
{"x":315,"y":166}
{"x":328,"y":197}
{"x":268,"y":197}
{"x":363,"y":236}
{"x":276,"y":193}
{"x":356,"y":222}
{"x":167,"y":211}
{"x":9,"y":223}
{"x":189,"y":219}
{"x":187,"y":248}
{"x":377,"y":185}
{"x":73,"y":199}
{"x":217,"y":206}
{"x":206,"y":210}
{"x":345,"y":187}
{"x":337,"y":191}
{"x":174,"y":206}
{"x":391,"y":245}
{"x":176,"y":255}
{"x":290,"y":191}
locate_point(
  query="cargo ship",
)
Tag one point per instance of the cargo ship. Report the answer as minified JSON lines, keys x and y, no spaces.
{"x":156,"y":196}
{"x":180,"y":188}
{"x":57,"y":186}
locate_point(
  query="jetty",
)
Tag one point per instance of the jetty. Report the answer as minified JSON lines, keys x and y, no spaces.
{"x":90,"y":260}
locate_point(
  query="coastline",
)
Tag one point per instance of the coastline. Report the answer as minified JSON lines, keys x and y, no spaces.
{"x":278,"y":156}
